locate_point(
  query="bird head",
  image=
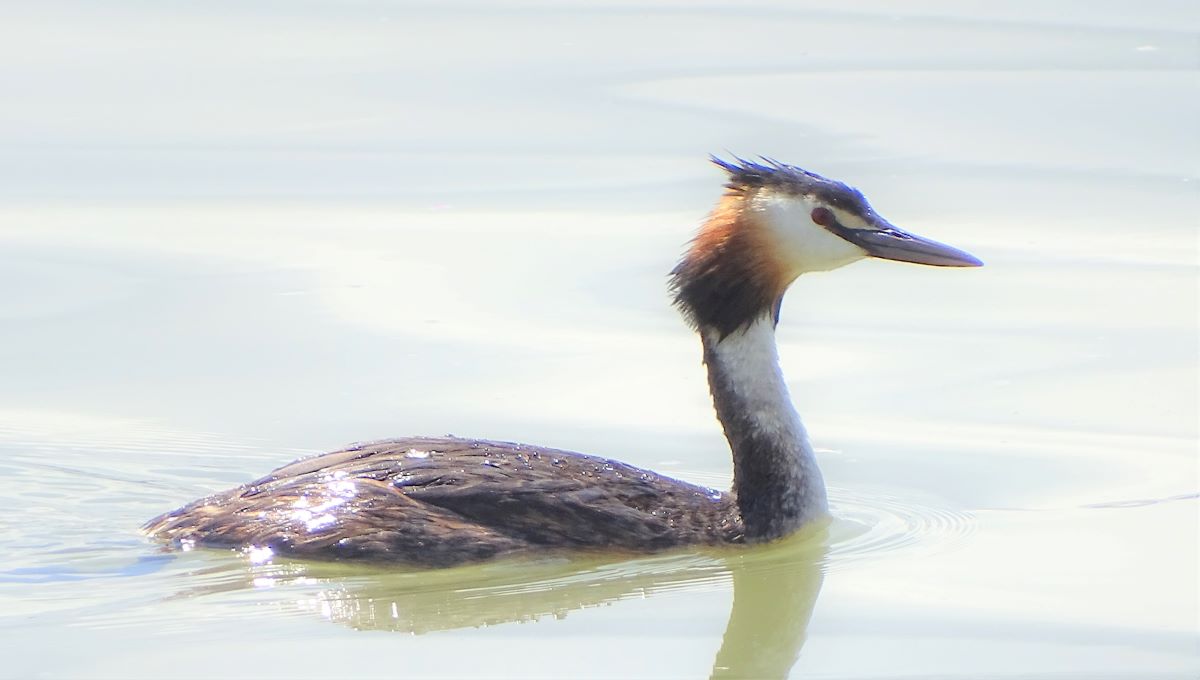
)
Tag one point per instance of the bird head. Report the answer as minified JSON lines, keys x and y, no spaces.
{"x":775,"y":222}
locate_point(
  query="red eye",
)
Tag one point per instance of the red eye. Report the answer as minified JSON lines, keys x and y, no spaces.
{"x":823,"y":216}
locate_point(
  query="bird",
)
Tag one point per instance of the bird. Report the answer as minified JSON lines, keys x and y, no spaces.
{"x":446,"y":501}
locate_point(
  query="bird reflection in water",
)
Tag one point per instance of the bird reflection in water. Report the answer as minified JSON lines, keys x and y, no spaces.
{"x":775,"y":588}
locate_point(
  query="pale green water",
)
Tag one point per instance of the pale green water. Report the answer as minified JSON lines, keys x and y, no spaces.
{"x":233,"y":235}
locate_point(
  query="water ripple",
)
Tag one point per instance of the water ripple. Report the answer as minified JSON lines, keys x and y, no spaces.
{"x":869,"y":524}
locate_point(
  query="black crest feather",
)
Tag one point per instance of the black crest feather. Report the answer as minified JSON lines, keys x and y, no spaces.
{"x":770,"y":173}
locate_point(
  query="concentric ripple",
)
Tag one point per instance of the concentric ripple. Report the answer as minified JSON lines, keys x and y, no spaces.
{"x":867,"y":525}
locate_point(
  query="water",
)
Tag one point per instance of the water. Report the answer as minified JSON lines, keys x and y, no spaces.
{"x":236,"y":235}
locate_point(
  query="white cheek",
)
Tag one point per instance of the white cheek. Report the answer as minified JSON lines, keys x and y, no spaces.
{"x":803,"y":245}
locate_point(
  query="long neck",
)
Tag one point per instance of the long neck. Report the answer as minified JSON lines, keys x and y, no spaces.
{"x":778,"y":485}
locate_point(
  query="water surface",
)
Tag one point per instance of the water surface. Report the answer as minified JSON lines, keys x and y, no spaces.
{"x":236,"y":235}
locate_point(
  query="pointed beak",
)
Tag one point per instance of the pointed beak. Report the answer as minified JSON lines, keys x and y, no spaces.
{"x":889,"y":242}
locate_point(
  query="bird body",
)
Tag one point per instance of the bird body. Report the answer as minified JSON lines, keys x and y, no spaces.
{"x":444,"y":501}
{"x":439,"y":501}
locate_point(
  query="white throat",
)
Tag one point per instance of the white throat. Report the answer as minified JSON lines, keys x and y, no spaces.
{"x":751,"y":360}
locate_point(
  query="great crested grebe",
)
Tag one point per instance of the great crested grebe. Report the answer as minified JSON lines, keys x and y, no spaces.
{"x":442,"y":501}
